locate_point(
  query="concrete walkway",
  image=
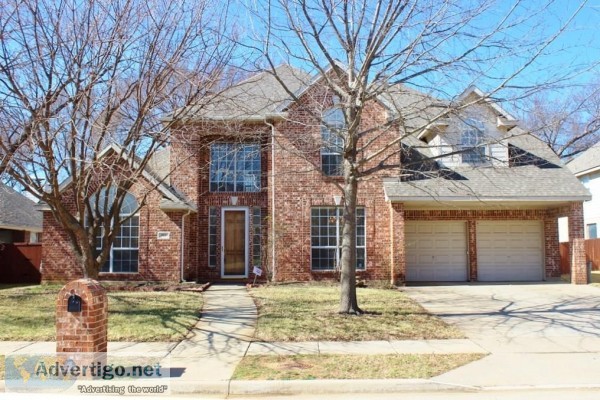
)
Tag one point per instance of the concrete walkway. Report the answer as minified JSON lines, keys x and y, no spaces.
{"x":206,"y":359}
{"x":210,"y":353}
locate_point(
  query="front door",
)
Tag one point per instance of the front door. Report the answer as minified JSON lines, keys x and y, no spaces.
{"x":234,"y":240}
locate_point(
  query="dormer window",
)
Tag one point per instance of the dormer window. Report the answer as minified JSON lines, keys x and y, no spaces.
{"x":332,"y":161}
{"x":472,"y":143}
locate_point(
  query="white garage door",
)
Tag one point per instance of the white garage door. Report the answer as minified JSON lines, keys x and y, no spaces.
{"x":509,"y":251}
{"x":436,"y":251}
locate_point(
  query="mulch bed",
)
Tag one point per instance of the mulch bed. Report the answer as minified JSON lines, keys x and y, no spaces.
{"x":157,"y":287}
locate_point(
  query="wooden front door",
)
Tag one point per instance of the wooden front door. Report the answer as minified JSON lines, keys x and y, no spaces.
{"x":234,"y":243}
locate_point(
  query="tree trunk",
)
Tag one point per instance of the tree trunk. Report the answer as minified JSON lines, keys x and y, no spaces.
{"x":348,"y":300}
{"x":90,"y":269}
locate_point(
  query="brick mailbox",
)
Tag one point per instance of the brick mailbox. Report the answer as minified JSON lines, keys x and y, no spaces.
{"x":81,"y":318}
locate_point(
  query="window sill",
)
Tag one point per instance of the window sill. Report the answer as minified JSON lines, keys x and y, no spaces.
{"x":118,"y":273}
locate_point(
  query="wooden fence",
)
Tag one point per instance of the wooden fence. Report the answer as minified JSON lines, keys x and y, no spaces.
{"x":592,"y":254}
{"x":20,"y":262}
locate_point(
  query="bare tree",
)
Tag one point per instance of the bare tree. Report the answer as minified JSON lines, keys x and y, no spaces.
{"x":569,"y":124}
{"x":78,"y":78}
{"x":364,"y":50}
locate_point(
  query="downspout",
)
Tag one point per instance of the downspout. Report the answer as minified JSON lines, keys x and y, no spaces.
{"x":183,"y":244}
{"x":272,"y":198}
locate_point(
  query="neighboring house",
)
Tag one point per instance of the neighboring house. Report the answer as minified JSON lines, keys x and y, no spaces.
{"x":245,"y":192}
{"x":20,"y":221}
{"x":586,"y":167}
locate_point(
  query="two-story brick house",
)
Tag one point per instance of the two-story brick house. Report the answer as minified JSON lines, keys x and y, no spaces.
{"x":254,"y":180}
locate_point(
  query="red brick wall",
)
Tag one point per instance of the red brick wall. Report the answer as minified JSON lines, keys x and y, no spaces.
{"x":300,"y":186}
{"x":397,"y":248}
{"x":158,"y":259}
{"x":191,"y":149}
{"x":84,"y":331}
{"x":472,"y":246}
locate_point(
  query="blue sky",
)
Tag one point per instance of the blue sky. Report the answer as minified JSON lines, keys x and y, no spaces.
{"x":573,"y":55}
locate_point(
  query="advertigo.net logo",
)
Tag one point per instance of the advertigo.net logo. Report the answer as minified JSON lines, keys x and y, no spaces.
{"x":87,"y":373}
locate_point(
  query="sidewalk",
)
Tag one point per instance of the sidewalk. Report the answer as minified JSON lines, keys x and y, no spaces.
{"x":205,"y":361}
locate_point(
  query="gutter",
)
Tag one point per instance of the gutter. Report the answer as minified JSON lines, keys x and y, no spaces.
{"x":183,"y":244}
{"x":483,"y":199}
{"x":272,"y":199}
{"x":254,"y":118}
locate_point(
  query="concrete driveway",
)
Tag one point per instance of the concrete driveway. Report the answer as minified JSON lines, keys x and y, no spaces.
{"x":539,"y":335}
{"x":548,"y":317}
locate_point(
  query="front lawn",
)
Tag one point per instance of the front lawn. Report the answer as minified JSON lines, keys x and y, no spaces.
{"x":306,"y":312}
{"x":390,"y":366}
{"x":27,"y":313}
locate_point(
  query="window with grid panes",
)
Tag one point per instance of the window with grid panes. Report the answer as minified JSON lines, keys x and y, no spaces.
{"x":326,"y":238}
{"x":332,"y":162}
{"x":234,"y":167}
{"x":124,"y":251}
{"x":212,"y":237}
{"x":256,"y":236}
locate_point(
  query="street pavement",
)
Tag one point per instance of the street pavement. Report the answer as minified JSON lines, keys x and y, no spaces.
{"x":540,"y":338}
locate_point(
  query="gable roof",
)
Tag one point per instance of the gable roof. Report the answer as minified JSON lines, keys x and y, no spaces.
{"x":172,"y":200}
{"x":256,"y":98}
{"x":586,"y":162}
{"x":537,"y":176}
{"x":18,"y":212}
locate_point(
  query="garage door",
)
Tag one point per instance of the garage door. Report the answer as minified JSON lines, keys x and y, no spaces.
{"x":436,"y":251}
{"x":509,"y":251}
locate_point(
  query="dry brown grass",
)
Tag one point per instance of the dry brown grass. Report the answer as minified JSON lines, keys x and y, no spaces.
{"x":27,"y":313}
{"x":392,"y":366}
{"x":305,"y":312}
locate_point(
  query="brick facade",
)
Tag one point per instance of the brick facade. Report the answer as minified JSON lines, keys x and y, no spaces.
{"x":291,"y":185}
{"x":159,"y":260}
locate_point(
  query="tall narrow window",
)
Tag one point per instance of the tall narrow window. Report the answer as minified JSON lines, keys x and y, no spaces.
{"x":212,"y":237}
{"x":326,"y":238}
{"x":472,"y":142}
{"x":124,"y":251}
{"x":234,"y":167}
{"x":256,"y":236}
{"x":592,"y":231}
{"x":332,"y":131}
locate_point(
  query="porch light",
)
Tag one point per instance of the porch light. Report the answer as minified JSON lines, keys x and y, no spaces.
{"x":337,"y":199}
{"x":233,"y":200}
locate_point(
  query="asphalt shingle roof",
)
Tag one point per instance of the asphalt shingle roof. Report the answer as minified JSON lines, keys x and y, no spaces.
{"x":17,"y":211}
{"x":539,"y":174}
{"x":256,"y":96}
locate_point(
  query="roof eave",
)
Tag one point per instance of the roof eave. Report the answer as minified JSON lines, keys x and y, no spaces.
{"x":20,"y":227}
{"x":170,"y":206}
{"x":587,"y":171}
{"x":484,"y":199}
{"x":256,"y":118}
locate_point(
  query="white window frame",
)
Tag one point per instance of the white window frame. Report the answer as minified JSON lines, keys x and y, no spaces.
{"x":235,"y":147}
{"x":338,"y":216}
{"x":112,"y":247}
{"x":331,"y":138}
{"x":476,"y":148}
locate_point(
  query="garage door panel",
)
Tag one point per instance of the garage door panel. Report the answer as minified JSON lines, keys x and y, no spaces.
{"x":436,"y":251}
{"x":509,"y":251}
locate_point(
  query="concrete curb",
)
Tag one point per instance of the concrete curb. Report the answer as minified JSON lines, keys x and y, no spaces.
{"x":338,"y":386}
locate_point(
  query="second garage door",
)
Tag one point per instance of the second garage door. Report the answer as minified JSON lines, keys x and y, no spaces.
{"x":436,"y":251}
{"x":509,"y":251}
